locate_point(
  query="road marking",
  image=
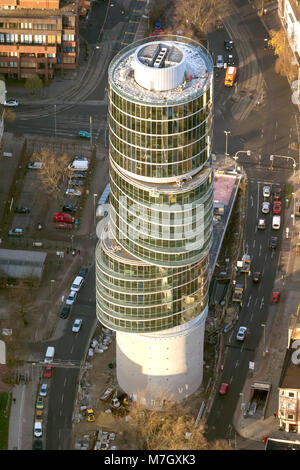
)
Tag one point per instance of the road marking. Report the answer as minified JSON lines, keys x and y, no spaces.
{"x":251,"y":316}
{"x":65,"y":381}
{"x":255,"y":302}
{"x":231,"y":379}
{"x":249,"y":301}
{"x":260,"y":248}
{"x":72,"y":348}
{"x":262,"y":303}
{"x":254,"y":243}
{"x":62,"y":398}
{"x":236,"y":364}
{"x":251,"y":198}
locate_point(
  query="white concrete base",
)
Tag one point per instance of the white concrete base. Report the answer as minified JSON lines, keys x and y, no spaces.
{"x":165,"y":365}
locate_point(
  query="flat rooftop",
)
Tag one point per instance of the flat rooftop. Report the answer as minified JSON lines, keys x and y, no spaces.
{"x":197,"y":62}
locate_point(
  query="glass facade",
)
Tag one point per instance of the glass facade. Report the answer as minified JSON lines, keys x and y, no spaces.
{"x":152,"y":259}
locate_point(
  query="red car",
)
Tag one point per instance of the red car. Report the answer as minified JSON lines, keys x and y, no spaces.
{"x":275,"y":297}
{"x":48,"y":372}
{"x":64,"y":226}
{"x":223,"y":389}
{"x":63,"y":217}
{"x":277,"y":207}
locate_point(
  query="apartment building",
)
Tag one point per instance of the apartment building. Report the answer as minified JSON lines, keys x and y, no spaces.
{"x":38,"y":37}
{"x":289,"y":384}
{"x":289,"y":13}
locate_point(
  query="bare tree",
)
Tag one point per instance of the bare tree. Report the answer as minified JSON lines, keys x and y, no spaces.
{"x":195,"y":17}
{"x":168,"y":427}
{"x":283,"y":65}
{"x":53,"y":172}
{"x":33,"y":83}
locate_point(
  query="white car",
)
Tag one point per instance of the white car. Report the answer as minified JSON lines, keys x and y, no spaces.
{"x":11,"y":103}
{"x":71,"y":298}
{"x":80,"y":158}
{"x":241,"y":334}
{"x":266,"y":191}
{"x":43,"y":390}
{"x":38,"y":430}
{"x":35,"y":165}
{"x":220,"y":63}
{"x":77,"y":325}
{"x":16,"y":232}
{"x":73,"y":192}
{"x":265,"y":207}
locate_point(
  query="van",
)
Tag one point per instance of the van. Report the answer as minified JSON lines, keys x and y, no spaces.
{"x":276,"y":222}
{"x":77,"y":283}
{"x":81,"y":165}
{"x":49,"y":354}
{"x":230,"y":76}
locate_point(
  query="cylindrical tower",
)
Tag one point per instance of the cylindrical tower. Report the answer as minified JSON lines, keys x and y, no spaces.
{"x":152,"y":256}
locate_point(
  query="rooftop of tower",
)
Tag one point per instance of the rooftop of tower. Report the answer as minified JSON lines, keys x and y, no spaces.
{"x":164,"y":70}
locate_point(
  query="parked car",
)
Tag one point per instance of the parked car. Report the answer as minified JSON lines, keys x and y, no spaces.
{"x":65,"y":311}
{"x":43,"y":390}
{"x":219,"y":63}
{"x":107,"y":394}
{"x":256,"y":277}
{"x":228,"y":45}
{"x":22,"y":210}
{"x":265,"y":207}
{"x":275,"y":297}
{"x":48,"y":372}
{"x":277,"y":194}
{"x":219,"y":24}
{"x":11,"y":103}
{"x":15,"y":232}
{"x":39,"y":403}
{"x":261,"y":225}
{"x":115,"y":403}
{"x":79,"y":174}
{"x":37,"y":444}
{"x":63,"y":217}
{"x":69,"y":208}
{"x":76,"y":325}
{"x":241,"y":334}
{"x":39,"y":414}
{"x":223,"y":388}
{"x":274,"y":242}
{"x":64,"y":226}
{"x":35,"y":165}
{"x":83,"y":271}
{"x":266,"y":191}
{"x":73,"y":182}
{"x":73,"y":192}
{"x":84,"y":134}
{"x":38,"y":429}
{"x":71,"y":298}
{"x":277,"y":207}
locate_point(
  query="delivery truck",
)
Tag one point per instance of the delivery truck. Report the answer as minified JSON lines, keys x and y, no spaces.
{"x":230,"y":76}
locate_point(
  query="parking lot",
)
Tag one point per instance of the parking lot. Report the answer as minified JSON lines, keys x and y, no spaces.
{"x":35,"y":207}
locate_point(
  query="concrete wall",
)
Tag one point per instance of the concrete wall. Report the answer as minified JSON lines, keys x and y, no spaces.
{"x":169,"y":362}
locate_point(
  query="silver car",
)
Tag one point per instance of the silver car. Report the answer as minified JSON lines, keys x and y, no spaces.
{"x":241,"y":334}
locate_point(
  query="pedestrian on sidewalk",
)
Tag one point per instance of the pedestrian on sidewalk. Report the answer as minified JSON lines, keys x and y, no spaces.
{"x":14,"y":400}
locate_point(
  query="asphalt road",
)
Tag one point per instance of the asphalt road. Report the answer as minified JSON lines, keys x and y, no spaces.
{"x":269,"y":130}
{"x":70,"y":350}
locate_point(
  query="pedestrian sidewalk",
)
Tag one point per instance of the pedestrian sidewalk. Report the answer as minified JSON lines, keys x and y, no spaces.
{"x":268,"y":366}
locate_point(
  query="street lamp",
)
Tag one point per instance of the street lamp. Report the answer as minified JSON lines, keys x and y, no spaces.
{"x":55,"y":120}
{"x":95,"y":195}
{"x":264,"y":327}
{"x":91,"y":131}
{"x":287,"y":158}
{"x":72,"y":236}
{"x":226,"y":144}
{"x":248,"y":152}
{"x":52,"y":284}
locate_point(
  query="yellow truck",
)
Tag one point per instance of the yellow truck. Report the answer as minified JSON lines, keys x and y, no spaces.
{"x":230,"y":76}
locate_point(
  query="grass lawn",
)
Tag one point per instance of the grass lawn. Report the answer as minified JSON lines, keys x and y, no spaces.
{"x":4,"y":419}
